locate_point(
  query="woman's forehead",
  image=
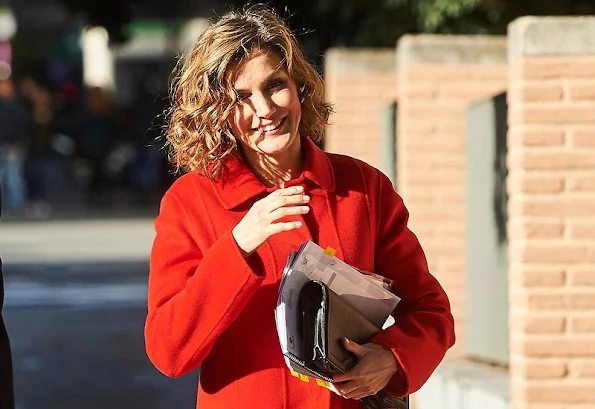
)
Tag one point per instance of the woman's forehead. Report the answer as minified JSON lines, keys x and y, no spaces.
{"x":258,"y":66}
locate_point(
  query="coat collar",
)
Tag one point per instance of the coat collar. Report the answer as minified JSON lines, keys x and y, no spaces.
{"x":239,"y":184}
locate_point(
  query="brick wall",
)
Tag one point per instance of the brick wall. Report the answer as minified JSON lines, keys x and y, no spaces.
{"x":552,"y":212}
{"x":359,"y":83}
{"x":439,"y":76}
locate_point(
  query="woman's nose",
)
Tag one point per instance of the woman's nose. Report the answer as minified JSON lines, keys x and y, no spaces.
{"x":264,"y":106}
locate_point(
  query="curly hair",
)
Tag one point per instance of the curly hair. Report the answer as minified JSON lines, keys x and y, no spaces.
{"x":197,"y":137}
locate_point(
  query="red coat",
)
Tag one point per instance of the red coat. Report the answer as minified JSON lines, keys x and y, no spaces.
{"x":210,"y":307}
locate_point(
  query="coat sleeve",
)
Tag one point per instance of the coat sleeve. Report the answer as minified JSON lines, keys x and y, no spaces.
{"x":194,"y":293}
{"x":424,"y":326}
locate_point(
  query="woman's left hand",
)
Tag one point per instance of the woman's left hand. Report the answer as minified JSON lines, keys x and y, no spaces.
{"x":376,"y":365}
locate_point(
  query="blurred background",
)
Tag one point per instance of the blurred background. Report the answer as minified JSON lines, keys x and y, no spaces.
{"x":83,"y":87}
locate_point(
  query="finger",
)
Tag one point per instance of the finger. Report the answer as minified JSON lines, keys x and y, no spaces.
{"x":354,"y":347}
{"x":345,"y":377}
{"x":283,"y":201}
{"x":277,"y":228}
{"x":359,"y":393}
{"x":355,"y":390}
{"x":288,"y":211}
{"x":349,"y":387}
{"x":288,"y":191}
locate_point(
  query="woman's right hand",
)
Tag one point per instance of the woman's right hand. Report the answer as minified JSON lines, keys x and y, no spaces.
{"x":260,"y":222}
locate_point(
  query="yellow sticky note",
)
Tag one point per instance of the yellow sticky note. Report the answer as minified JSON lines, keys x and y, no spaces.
{"x":330,"y":251}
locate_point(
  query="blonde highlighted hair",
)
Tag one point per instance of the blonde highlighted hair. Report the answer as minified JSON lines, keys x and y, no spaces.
{"x":198,"y":137}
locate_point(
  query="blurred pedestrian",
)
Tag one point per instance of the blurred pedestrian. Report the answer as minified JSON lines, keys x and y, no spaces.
{"x":97,"y":137}
{"x":36,"y":100}
{"x":6,"y":382}
{"x":247,"y":107}
{"x":13,"y":147}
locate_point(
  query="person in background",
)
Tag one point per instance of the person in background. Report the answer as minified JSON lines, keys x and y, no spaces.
{"x":97,"y":137}
{"x":6,"y":381}
{"x":14,"y":141}
{"x":246,"y":110}
{"x":37,"y":102}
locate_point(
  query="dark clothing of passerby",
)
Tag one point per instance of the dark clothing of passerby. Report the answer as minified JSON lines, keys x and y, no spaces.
{"x":6,"y":382}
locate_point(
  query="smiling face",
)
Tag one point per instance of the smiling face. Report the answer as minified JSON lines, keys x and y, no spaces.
{"x":267,"y":116}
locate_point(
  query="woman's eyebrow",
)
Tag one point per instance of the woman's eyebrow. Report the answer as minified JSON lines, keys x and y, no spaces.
{"x":280,"y":73}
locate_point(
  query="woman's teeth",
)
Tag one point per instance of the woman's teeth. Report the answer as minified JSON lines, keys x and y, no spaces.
{"x":270,"y":127}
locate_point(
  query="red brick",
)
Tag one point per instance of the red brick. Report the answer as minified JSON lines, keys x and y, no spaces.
{"x":535,"y":184}
{"x":489,"y":73}
{"x":532,"y":324}
{"x":581,"y":301}
{"x":453,"y":128}
{"x":543,"y":278}
{"x":563,"y":392}
{"x":582,"y":92}
{"x":536,"y":137}
{"x":470,"y":91}
{"x":433,"y":111}
{"x":560,"y":253}
{"x":537,"y":229}
{"x":417,"y":127}
{"x":582,"y":368}
{"x":547,"y":301}
{"x":554,"y":114}
{"x":416,"y":93}
{"x":583,"y":230}
{"x":566,"y":207}
{"x":582,"y":277}
{"x":536,"y":92}
{"x":553,"y":160}
{"x":433,"y":178}
{"x":423,"y":141}
{"x":435,"y":159}
{"x":584,"y":138}
{"x":542,"y":369}
{"x":556,"y":346}
{"x":581,"y":184}
{"x":582,"y":324}
{"x":555,"y":67}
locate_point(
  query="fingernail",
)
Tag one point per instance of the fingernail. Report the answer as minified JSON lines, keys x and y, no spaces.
{"x":347,"y":340}
{"x":298,"y":224}
{"x":306,"y":198}
{"x":299,"y":188}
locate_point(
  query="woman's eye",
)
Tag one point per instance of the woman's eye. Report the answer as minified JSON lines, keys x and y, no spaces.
{"x":277,"y":84}
{"x":242,"y":97}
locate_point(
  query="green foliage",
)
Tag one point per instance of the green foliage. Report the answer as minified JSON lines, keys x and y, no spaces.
{"x":381,"y":22}
{"x":433,"y":13}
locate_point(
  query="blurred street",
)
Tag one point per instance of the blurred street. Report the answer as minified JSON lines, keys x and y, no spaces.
{"x":75,"y":309}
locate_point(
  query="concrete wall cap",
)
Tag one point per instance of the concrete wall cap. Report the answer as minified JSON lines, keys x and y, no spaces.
{"x":353,"y":60}
{"x":564,"y":35}
{"x":450,"y":49}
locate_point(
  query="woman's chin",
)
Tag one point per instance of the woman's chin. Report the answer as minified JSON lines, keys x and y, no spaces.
{"x":275,"y":145}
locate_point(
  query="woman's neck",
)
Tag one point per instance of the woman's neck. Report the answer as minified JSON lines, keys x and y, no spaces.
{"x":276,"y":170}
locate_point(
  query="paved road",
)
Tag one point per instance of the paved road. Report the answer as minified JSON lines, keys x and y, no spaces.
{"x":75,"y":309}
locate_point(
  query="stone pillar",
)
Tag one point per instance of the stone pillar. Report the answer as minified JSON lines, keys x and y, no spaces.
{"x":551,"y":185}
{"x":359,"y":84}
{"x":439,"y":77}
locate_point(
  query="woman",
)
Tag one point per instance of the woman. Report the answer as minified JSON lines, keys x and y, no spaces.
{"x":246,"y":109}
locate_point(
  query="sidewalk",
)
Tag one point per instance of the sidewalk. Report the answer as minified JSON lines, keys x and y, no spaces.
{"x":76,"y":241}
